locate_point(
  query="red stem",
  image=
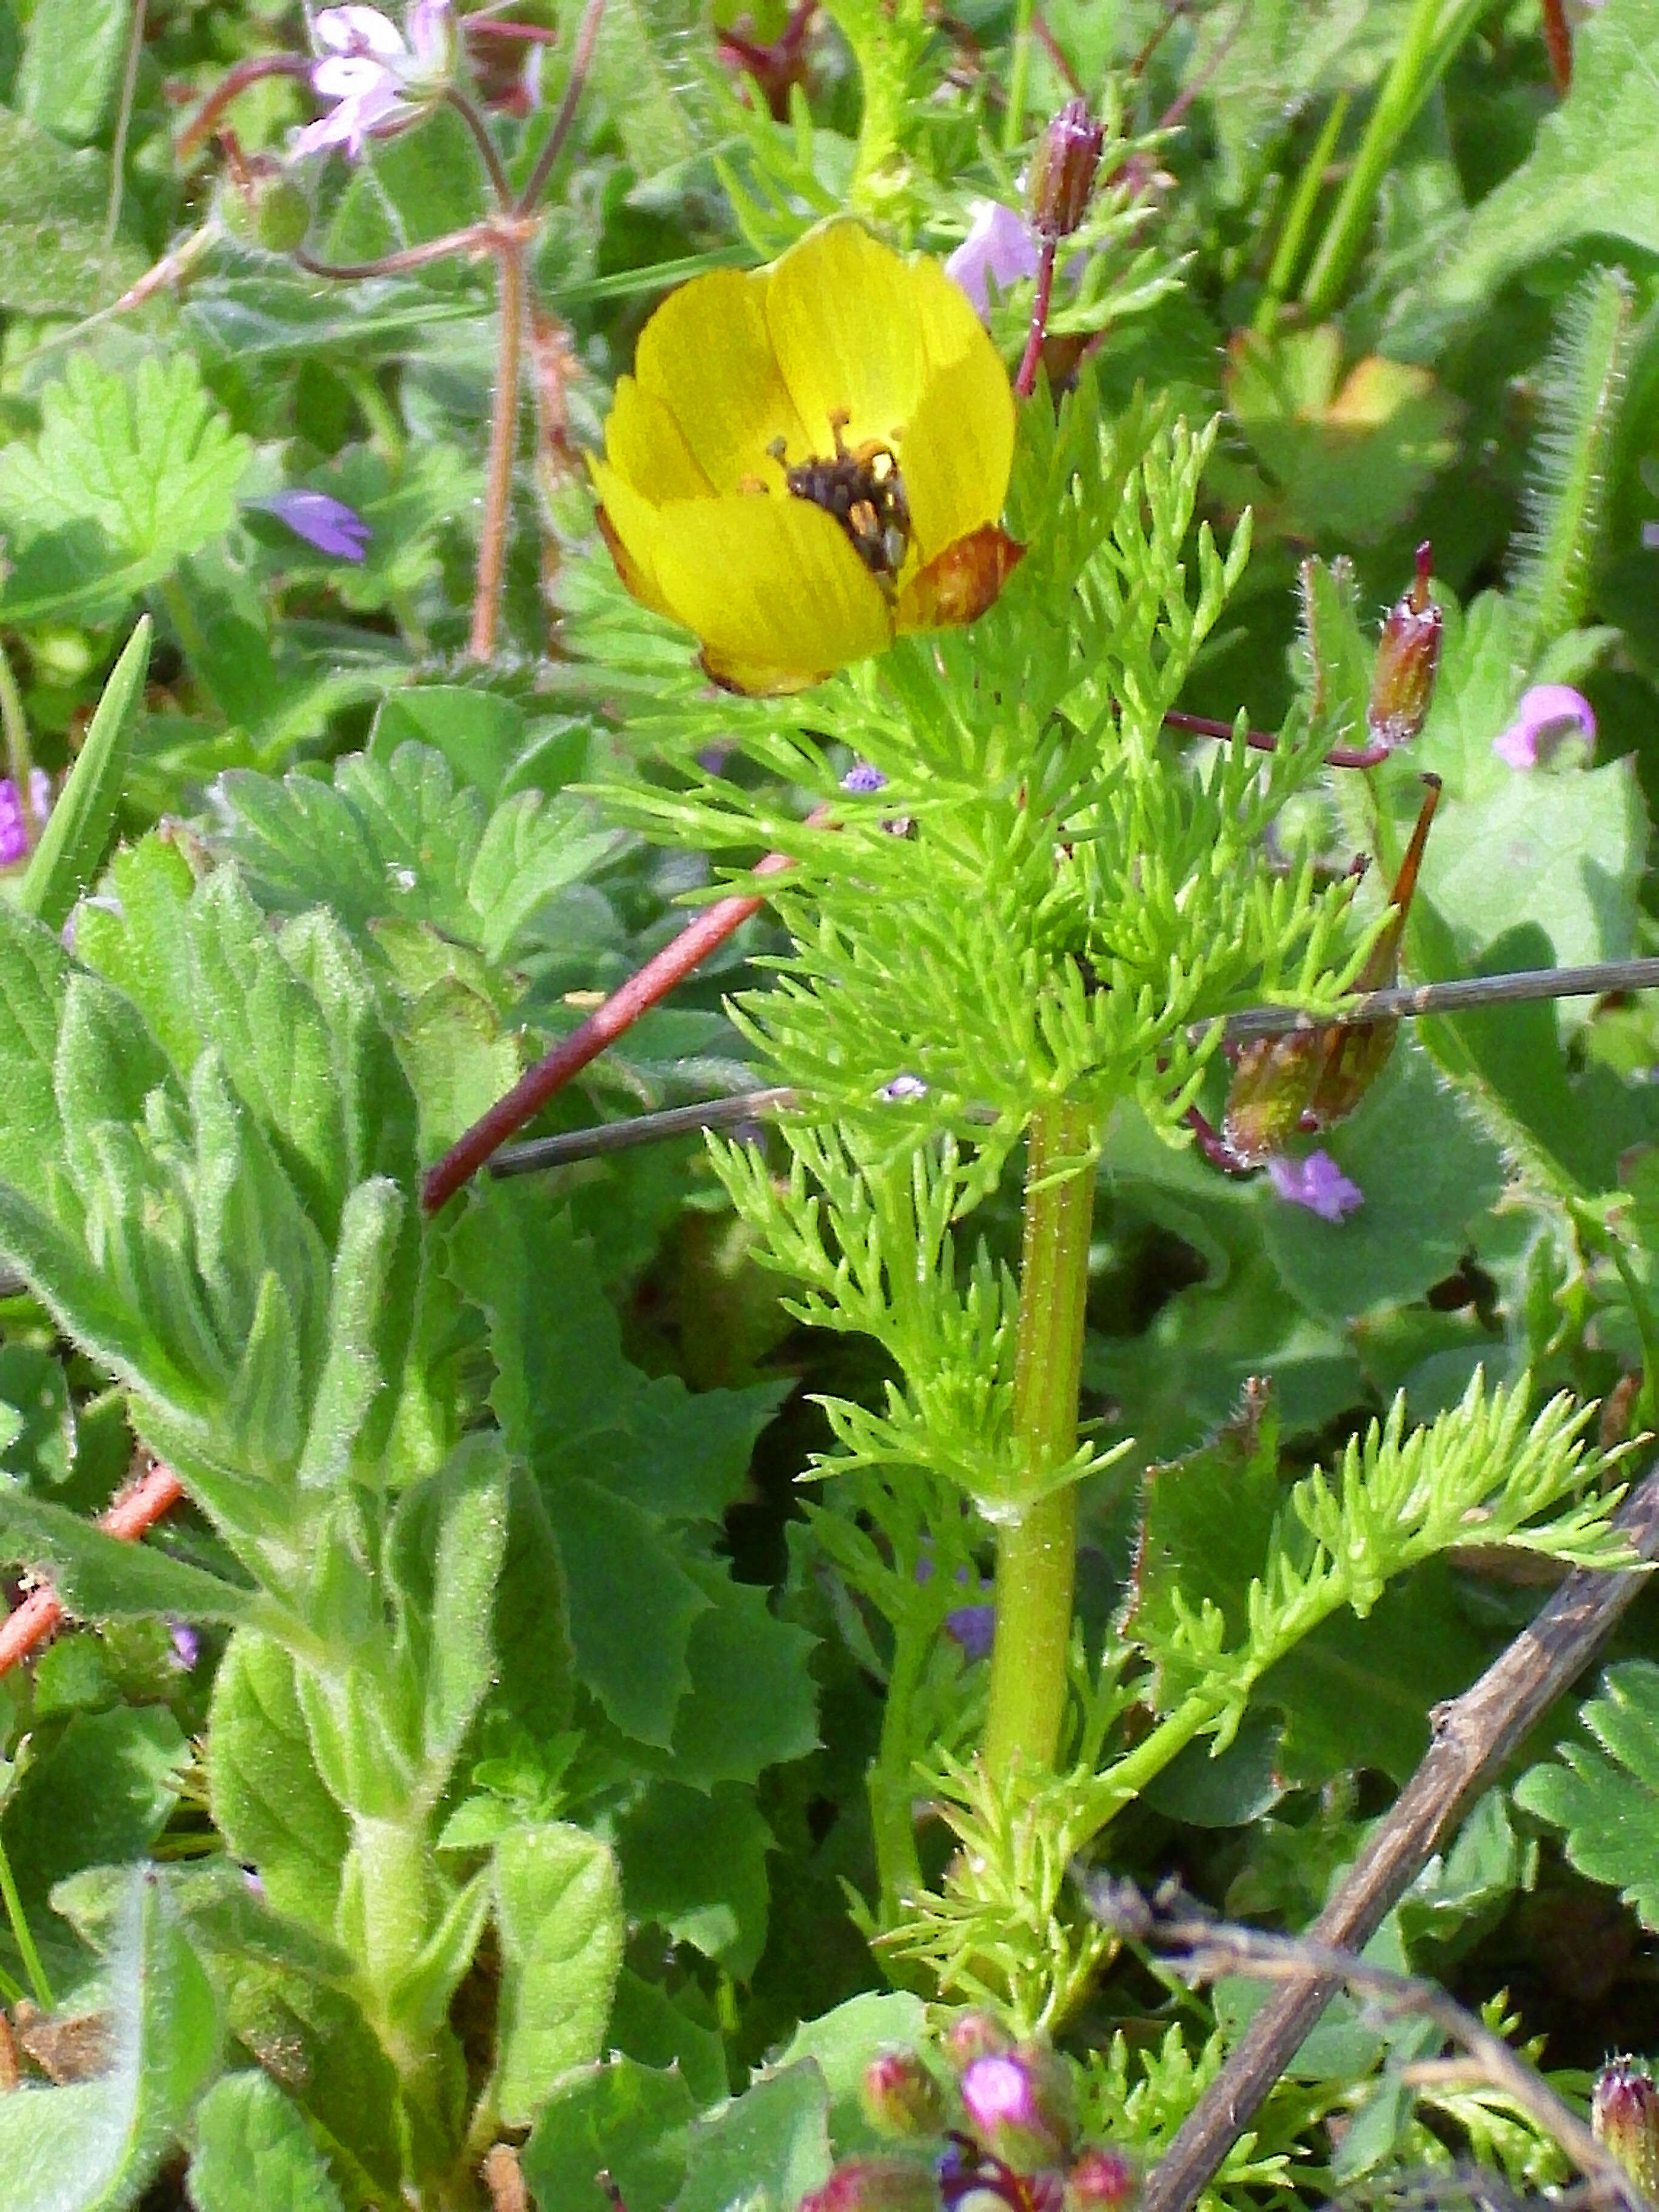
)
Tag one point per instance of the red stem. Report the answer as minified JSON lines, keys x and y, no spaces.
{"x":236,"y":82}
{"x":1262,"y":741}
{"x":604,"y":1026}
{"x":1557,"y":38}
{"x":1025,"y":382}
{"x":137,"y":1509}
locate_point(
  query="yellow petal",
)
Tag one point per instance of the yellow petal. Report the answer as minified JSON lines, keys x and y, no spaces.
{"x":643,"y":443}
{"x":845,"y":316}
{"x":944,"y":316}
{"x":707,"y":355}
{"x":769,"y":584}
{"x":628,"y":524}
{"x":957,"y":453}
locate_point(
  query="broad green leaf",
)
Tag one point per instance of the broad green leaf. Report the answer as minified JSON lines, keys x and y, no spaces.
{"x":72,"y":55}
{"x":448,"y":1545}
{"x":696,"y":1865}
{"x":93,"y":2146}
{"x":128,"y":474}
{"x":535,"y":1677}
{"x":842,"y":2044}
{"x":102,"y":1578}
{"x":253,"y":2149}
{"x":559,"y":1917}
{"x":479,"y":733}
{"x":1589,"y":175}
{"x":54,"y":202}
{"x":269,"y":1802}
{"x":40,"y":1447}
{"x":753,"y":1702}
{"x":627,"y":2118}
{"x":33,"y":972}
{"x":765,"y":2150}
{"x":141,"y":943}
{"x":404,"y":190}
{"x":678,"y":2030}
{"x":1603,"y":1794}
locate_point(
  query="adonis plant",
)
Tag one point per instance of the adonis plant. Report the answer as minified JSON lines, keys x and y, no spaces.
{"x":827,"y":1132}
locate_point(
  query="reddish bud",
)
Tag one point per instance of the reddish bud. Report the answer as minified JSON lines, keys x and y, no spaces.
{"x":1624,"y":2116}
{"x":900,"y":2097}
{"x":1407,"y":655}
{"x":1063,"y":170}
{"x":1019,"y":2104}
{"x":875,"y":2184}
{"x":1102,"y":2180}
{"x":973,"y":2035}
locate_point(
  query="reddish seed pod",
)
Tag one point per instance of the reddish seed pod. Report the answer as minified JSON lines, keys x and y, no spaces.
{"x":900,"y":2097}
{"x":1408,"y":656}
{"x":1102,"y":2180}
{"x":1063,"y":170}
{"x":1624,"y":2116}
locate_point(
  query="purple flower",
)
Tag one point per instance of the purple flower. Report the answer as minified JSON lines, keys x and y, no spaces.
{"x":863,"y":779}
{"x":1649,"y":537}
{"x":975,"y":1628}
{"x":326,"y":523}
{"x":1549,"y":715}
{"x":1316,"y":1183}
{"x":14,"y":832}
{"x":187,"y":1644}
{"x":1000,"y":245}
{"x":902,"y":1091}
{"x":376,"y":78}
{"x":1018,"y":2103}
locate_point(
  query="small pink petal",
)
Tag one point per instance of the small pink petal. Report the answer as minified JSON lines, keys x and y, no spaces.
{"x":347,"y":77}
{"x":1000,"y":245}
{"x":1316,"y":1182}
{"x":358,"y":30}
{"x":1548,"y":716}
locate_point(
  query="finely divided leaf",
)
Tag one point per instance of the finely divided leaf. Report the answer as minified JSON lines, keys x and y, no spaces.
{"x":1604,"y":1795}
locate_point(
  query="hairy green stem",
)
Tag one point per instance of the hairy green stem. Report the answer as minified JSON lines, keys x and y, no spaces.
{"x":1019,"y":73}
{"x":1287,"y":255}
{"x":1424,"y":55}
{"x":503,"y":450}
{"x":1036,"y":1551}
{"x":892,"y":1781}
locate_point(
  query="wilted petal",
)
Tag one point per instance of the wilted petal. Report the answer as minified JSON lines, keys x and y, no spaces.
{"x":1549,"y":716}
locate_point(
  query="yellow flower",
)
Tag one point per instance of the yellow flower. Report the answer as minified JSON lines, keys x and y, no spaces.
{"x":811,"y":459}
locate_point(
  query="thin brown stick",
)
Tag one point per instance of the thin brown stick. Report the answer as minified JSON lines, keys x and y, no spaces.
{"x":477,"y":238}
{"x":1558,"y":39}
{"x":233,"y":83}
{"x":581,"y":59}
{"x":1473,"y":1736}
{"x":503,"y":451}
{"x":1210,"y":1949}
{"x":137,"y":1509}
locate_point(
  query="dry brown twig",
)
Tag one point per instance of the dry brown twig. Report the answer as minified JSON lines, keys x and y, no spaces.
{"x":1473,"y":1736}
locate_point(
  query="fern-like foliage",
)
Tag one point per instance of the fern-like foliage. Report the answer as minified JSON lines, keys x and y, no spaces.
{"x":1602,"y":1793}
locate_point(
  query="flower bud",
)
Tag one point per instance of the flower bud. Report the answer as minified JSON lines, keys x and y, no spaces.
{"x":1624,"y":2116}
{"x":1407,"y":655}
{"x":1063,"y":171}
{"x":1102,"y":2180}
{"x":1019,"y":2105}
{"x":900,"y":2097}
{"x":972,"y":2035}
{"x":874,"y":2184}
{"x":264,"y":206}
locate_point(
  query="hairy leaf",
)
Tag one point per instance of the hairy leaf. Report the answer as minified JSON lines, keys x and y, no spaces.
{"x":1603,"y":1794}
{"x":252,"y":2148}
{"x":559,"y":1914}
{"x":627,"y":2118}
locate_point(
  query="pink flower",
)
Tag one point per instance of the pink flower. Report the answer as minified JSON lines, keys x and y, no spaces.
{"x":1316,"y":1183}
{"x":1000,"y":245}
{"x":1549,"y":717}
{"x":15,"y":838}
{"x":377,"y":79}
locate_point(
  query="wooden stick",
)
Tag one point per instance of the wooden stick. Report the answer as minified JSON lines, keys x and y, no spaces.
{"x":1473,"y":1736}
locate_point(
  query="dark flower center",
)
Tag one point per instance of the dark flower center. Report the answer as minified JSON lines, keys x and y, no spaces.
{"x":861,"y":489}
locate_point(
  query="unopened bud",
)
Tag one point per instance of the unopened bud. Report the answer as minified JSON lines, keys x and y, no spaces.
{"x":900,"y":2097}
{"x":1019,"y":2104}
{"x":1063,"y":171}
{"x":1625,"y":2117}
{"x":1407,"y":655}
{"x":875,"y":2184}
{"x":1102,"y":2180}
{"x":264,"y":206}
{"x":973,"y":2035}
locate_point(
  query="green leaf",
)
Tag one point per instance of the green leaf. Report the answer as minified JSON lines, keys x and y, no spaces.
{"x":627,"y":2118}
{"x":34,"y":1392}
{"x":479,"y":733}
{"x":765,"y":2150}
{"x":33,"y":972}
{"x":696,"y":1865}
{"x":535,"y":1675}
{"x":406,"y":190}
{"x":141,"y":942}
{"x":678,"y":2030}
{"x":53,"y":205}
{"x":93,"y":2146}
{"x":65,"y":862}
{"x":843,"y":2042}
{"x":752,"y":1704}
{"x":127,"y":475}
{"x":559,"y":1916}
{"x":99,"y":1578}
{"x":448,"y":1545}
{"x":72,"y":58}
{"x":253,"y":2149}
{"x":269,"y":1802}
{"x":1590,"y":174}
{"x":1603,"y":1795}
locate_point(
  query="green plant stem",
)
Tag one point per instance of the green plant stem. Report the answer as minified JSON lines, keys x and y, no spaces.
{"x":20,"y":759}
{"x":1287,"y":255}
{"x":1019,"y":72}
{"x":1036,"y":1551}
{"x":1424,"y":53}
{"x":23,"y":1936}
